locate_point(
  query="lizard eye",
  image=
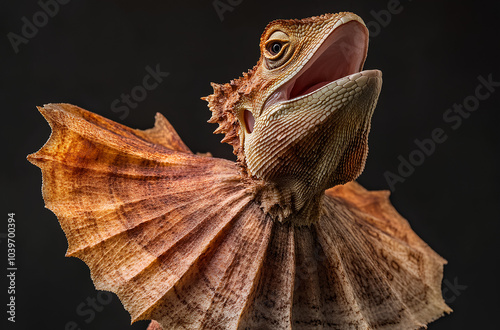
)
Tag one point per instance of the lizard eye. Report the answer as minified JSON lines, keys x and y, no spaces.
{"x":277,"y":49}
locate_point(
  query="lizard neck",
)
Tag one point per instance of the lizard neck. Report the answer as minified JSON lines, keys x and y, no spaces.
{"x":290,"y":201}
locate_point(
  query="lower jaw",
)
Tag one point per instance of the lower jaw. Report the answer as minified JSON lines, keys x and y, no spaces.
{"x":283,"y":93}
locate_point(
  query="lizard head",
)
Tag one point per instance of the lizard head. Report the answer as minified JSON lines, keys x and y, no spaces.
{"x":300,"y":118}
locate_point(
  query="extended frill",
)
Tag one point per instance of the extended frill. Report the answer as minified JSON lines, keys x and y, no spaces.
{"x":181,"y":239}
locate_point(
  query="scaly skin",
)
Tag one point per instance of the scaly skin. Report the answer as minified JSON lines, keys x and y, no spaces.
{"x":196,"y":242}
{"x":299,"y":147}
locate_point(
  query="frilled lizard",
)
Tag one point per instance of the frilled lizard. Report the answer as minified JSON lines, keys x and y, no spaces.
{"x":197,"y":242}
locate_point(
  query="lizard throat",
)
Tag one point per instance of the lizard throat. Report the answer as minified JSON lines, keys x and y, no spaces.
{"x":341,"y":54}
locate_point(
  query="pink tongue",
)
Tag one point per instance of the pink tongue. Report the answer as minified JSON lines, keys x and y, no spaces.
{"x":341,"y":54}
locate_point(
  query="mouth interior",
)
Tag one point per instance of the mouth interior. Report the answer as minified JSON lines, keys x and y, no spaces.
{"x":341,"y":54}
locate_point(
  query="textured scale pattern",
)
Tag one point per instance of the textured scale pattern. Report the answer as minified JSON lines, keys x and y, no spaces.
{"x":282,"y":239}
{"x":150,"y":239}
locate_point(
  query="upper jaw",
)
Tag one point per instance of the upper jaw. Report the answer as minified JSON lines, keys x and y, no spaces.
{"x":341,"y":55}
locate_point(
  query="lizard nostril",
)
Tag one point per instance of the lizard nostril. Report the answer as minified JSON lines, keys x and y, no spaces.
{"x":249,"y":121}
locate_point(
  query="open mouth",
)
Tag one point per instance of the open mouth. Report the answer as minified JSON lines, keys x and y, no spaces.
{"x":341,"y":54}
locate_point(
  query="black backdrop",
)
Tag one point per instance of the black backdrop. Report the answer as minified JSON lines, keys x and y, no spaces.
{"x":90,"y":52}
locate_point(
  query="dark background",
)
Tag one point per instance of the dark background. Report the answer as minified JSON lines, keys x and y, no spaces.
{"x":91,"y":52}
